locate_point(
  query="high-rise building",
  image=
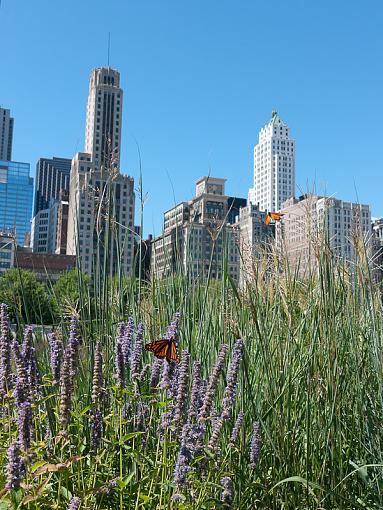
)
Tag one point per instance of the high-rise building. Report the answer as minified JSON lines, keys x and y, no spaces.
{"x":52,"y":176}
{"x":104,"y":118}
{"x":101,"y":199}
{"x":197,"y":239}
{"x":16,"y":195}
{"x":6,"y":134}
{"x":311,"y":222}
{"x":62,"y":223}
{"x":7,"y":251}
{"x":274,"y":166}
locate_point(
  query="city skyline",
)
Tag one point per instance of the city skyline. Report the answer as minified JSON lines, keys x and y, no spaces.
{"x":202,"y":115}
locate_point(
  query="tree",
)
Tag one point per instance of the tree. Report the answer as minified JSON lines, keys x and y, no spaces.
{"x":71,"y":292}
{"x":27,"y":298}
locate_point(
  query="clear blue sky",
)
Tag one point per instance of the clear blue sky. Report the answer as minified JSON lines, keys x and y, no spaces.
{"x":200,"y":79}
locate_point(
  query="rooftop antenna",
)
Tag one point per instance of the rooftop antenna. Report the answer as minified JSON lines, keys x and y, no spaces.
{"x":108,"y":47}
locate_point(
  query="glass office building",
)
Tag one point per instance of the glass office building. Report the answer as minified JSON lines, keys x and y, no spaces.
{"x":16,"y":196}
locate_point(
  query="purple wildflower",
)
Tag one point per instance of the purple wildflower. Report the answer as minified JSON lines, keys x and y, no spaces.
{"x":182,"y":391}
{"x":73,"y":344}
{"x":155,"y":373}
{"x":167,"y":375}
{"x":215,"y":434}
{"x":174,"y":329}
{"x":227,"y":495}
{"x":184,"y":459}
{"x":29,"y":357}
{"x":195,"y":402}
{"x":22,"y":390}
{"x":212,"y":384}
{"x":143,"y":372}
{"x":178,"y":498}
{"x":119,"y":367}
{"x":24,"y":421}
{"x":255,"y":445}
{"x":15,"y":467}
{"x":236,"y":429}
{"x":5,"y":351}
{"x":126,"y":340}
{"x":65,"y":390}
{"x":74,"y":503}
{"x":136,"y":355}
{"x":56,"y":355}
{"x":232,"y":380}
{"x":97,"y":375}
{"x":96,"y":432}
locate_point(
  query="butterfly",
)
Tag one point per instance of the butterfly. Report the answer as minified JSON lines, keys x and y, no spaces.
{"x":164,"y":348}
{"x":276,"y":216}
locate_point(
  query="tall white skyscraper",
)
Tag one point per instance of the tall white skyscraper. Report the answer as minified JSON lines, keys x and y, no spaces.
{"x":6,"y":135}
{"x":274,"y":166}
{"x":101,"y":199}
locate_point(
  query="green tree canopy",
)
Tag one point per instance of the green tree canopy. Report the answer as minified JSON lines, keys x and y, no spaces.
{"x":28,"y":299}
{"x":72,"y":292}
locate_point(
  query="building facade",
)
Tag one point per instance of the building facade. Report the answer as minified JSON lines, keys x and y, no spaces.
{"x":101,"y":199}
{"x":7,"y":251}
{"x":312,"y":222}
{"x":274,"y":166}
{"x":52,"y":176}
{"x":255,"y":238}
{"x":197,"y":239}
{"x":6,"y":134}
{"x":16,"y":195}
{"x":48,"y":267}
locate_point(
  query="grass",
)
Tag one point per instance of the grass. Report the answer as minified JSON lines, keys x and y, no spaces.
{"x":311,"y":375}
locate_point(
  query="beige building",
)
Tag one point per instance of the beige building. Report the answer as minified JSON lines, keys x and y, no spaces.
{"x":255,"y":239}
{"x":101,"y":199}
{"x":197,"y":240}
{"x":311,"y":221}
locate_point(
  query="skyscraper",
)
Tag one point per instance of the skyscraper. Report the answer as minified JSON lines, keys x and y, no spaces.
{"x":16,"y":194}
{"x":52,"y":176}
{"x":6,"y":134}
{"x":101,"y":199}
{"x":103,"y":117}
{"x":274,"y":166}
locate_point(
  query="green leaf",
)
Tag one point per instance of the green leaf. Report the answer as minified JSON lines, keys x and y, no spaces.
{"x":37,"y":464}
{"x":144,"y":498}
{"x":65,"y":493}
{"x":128,"y":437}
{"x":298,"y":479}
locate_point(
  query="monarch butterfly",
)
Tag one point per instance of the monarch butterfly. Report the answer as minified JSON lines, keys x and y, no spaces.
{"x":163,"y":348}
{"x":276,"y":216}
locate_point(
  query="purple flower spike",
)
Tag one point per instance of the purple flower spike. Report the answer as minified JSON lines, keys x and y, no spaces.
{"x":227,"y":495}
{"x":74,"y":503}
{"x":155,"y":373}
{"x":119,"y":367}
{"x":236,"y":429}
{"x":22,"y":389}
{"x":56,"y":355}
{"x":15,"y":467}
{"x":136,"y":355}
{"x":65,"y":391}
{"x":215,"y":435}
{"x":5,"y":351}
{"x":127,"y":340}
{"x":212,"y":384}
{"x":174,"y":329}
{"x":195,"y":402}
{"x":255,"y":445}
{"x":182,"y":391}
{"x":97,"y":375}
{"x":24,"y":421}
{"x":96,"y":434}
{"x":183,"y":460}
{"x":73,"y":344}
{"x":232,"y":380}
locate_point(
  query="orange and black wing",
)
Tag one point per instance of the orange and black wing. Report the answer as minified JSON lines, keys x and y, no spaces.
{"x":268,"y":219}
{"x":276,"y":216}
{"x":159,"y":348}
{"x":172,"y":354}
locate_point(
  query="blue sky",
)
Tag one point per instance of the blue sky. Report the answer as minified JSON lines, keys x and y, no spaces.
{"x":200,"y":79}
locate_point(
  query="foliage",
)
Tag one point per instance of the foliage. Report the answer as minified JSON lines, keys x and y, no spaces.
{"x":311,"y":376}
{"x":28,"y":299}
{"x":71,"y":289}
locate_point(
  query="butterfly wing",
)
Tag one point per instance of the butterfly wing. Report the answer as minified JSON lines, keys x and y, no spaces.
{"x":159,"y":348}
{"x":171,"y":354}
{"x":267,"y":220}
{"x":276,"y":216}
